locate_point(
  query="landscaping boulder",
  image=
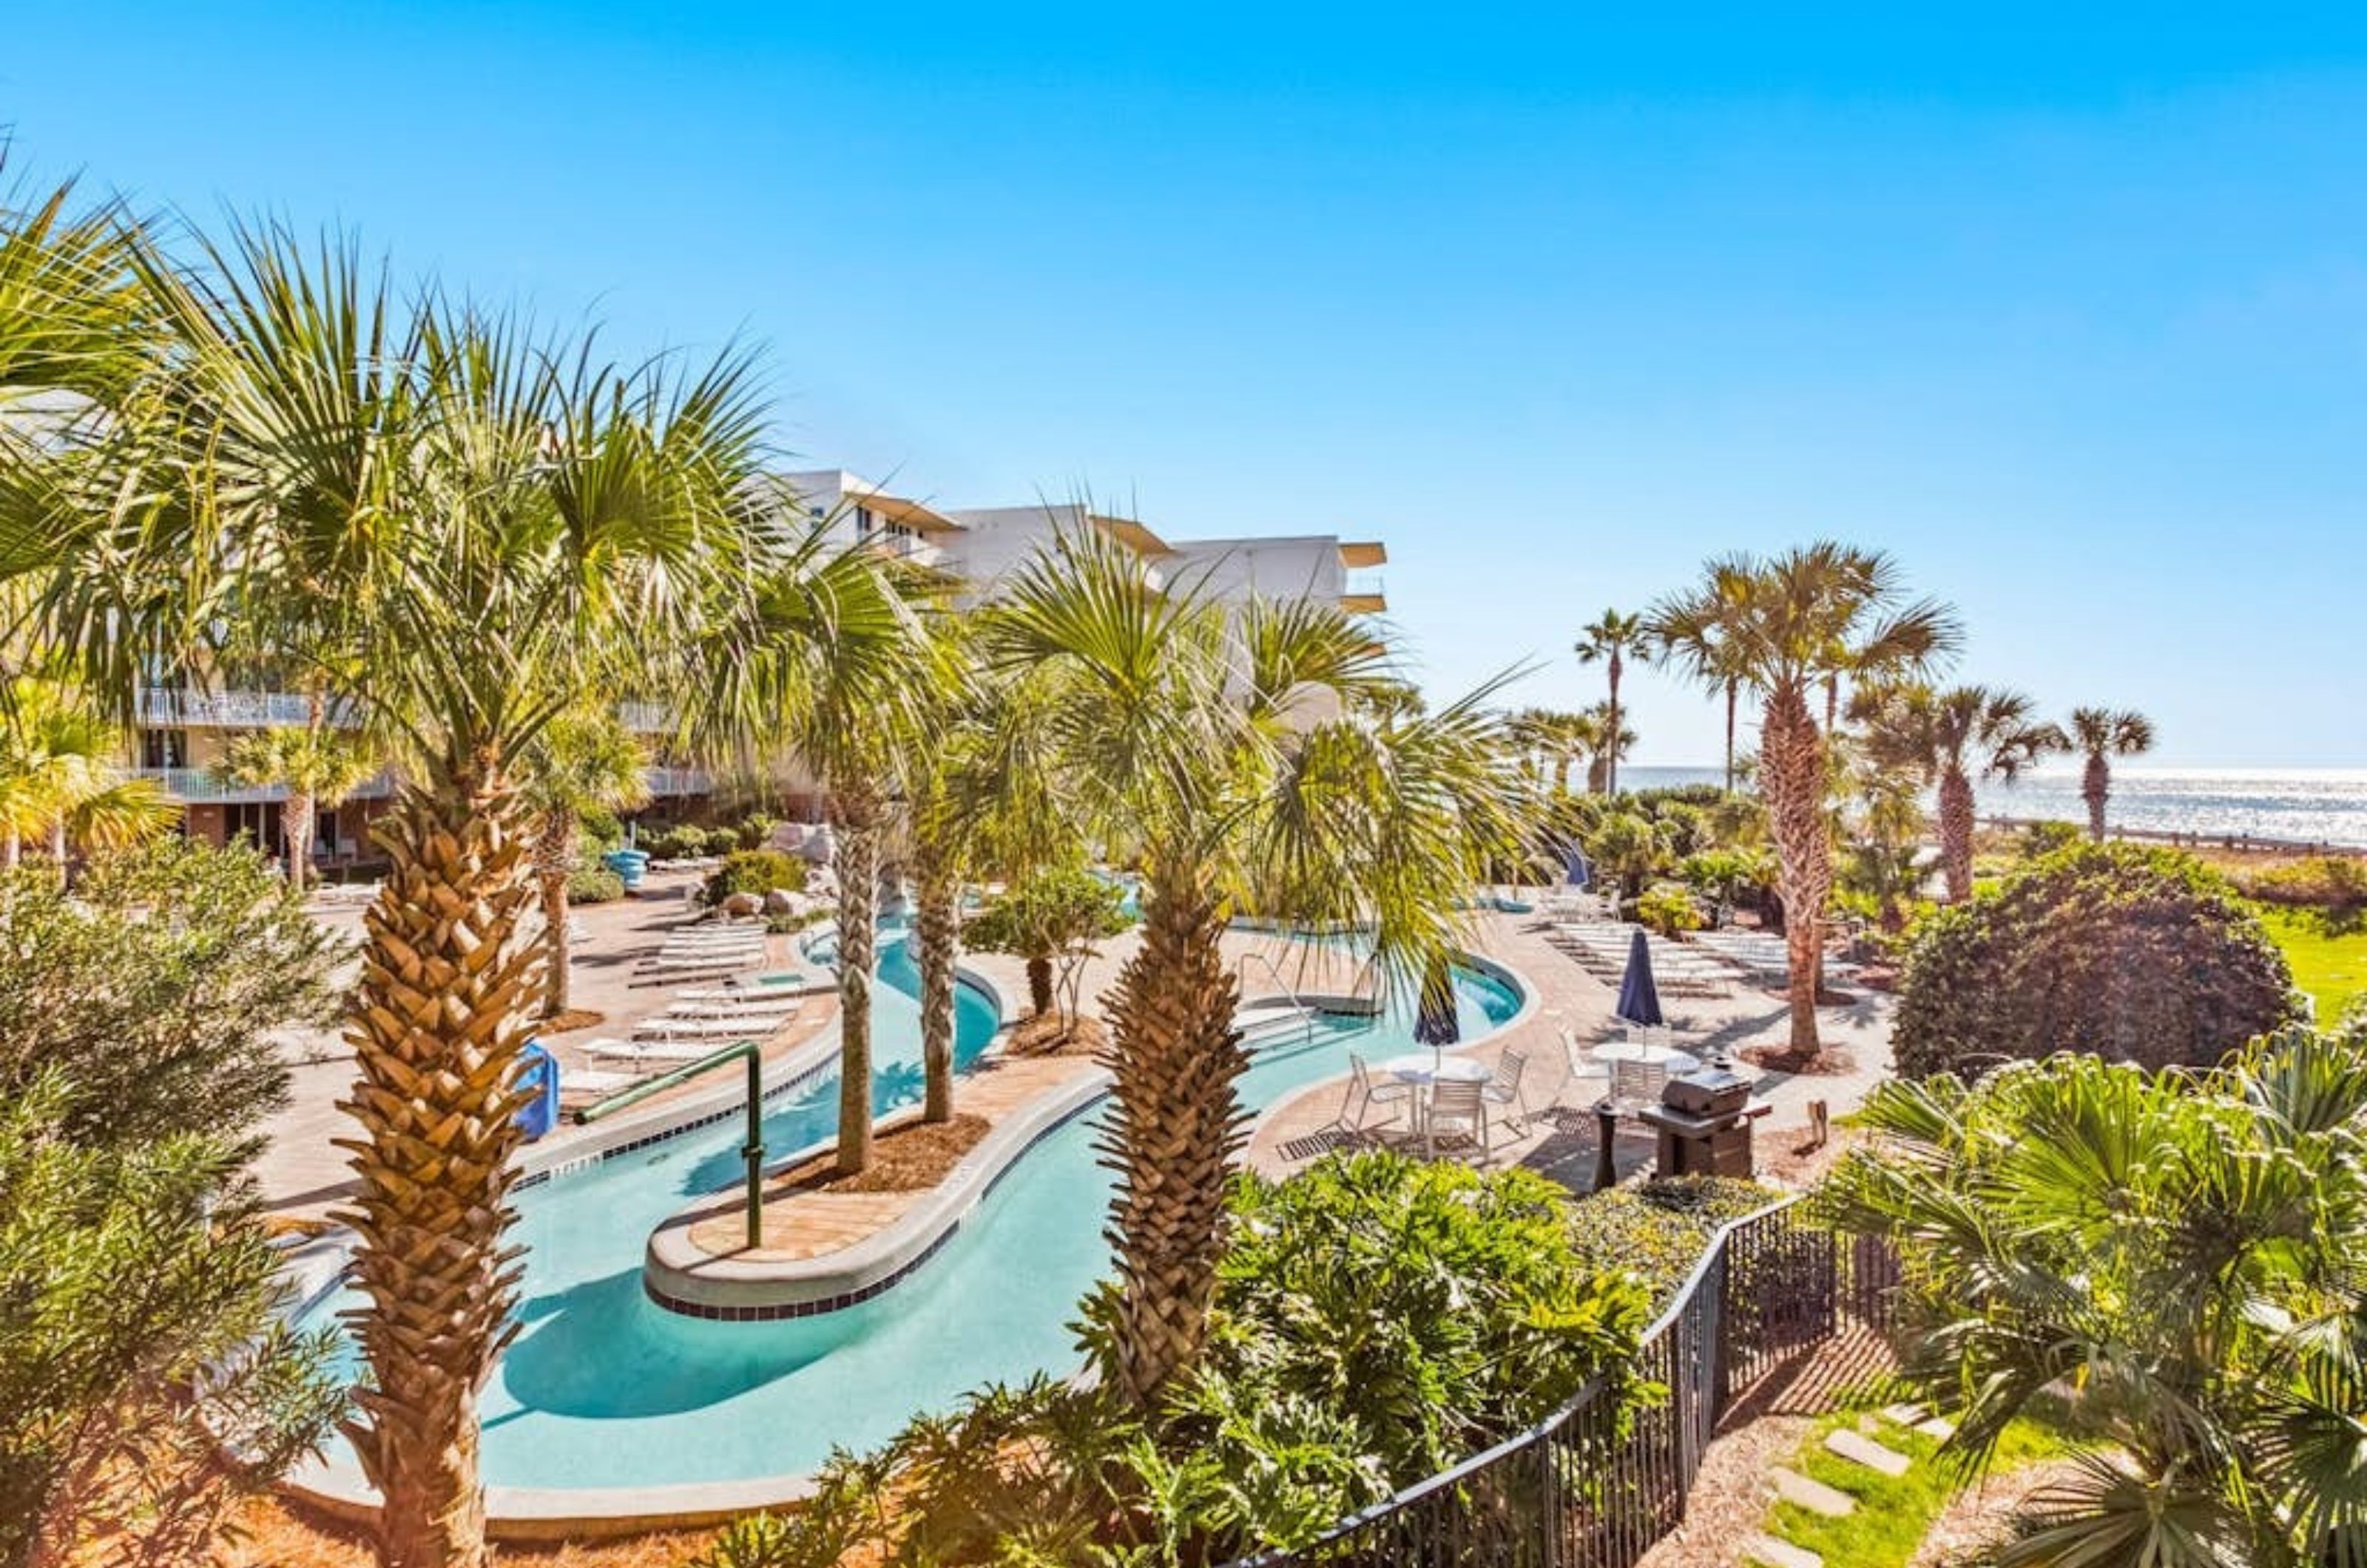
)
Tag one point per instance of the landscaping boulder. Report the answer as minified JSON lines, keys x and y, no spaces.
{"x":738,"y":905}
{"x":781,"y":901}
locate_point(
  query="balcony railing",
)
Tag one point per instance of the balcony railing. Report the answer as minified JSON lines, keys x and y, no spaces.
{"x":681,"y":781}
{"x":180,"y":707}
{"x":206,"y":787}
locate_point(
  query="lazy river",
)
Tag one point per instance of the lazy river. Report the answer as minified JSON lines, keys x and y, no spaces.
{"x":603,"y":1389}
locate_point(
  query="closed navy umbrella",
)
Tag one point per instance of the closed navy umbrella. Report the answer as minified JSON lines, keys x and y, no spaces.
{"x":1434,"y":1023}
{"x":1576,"y":873}
{"x":1639,"y":998}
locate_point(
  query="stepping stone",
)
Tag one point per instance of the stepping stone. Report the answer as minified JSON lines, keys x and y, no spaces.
{"x":1859,"y":1449}
{"x":1771,"y":1552}
{"x":1809,"y":1492}
{"x":1939,"y":1427}
{"x":1902,"y":1415}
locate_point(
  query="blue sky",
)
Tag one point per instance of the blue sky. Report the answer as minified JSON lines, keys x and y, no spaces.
{"x":2070,"y":316}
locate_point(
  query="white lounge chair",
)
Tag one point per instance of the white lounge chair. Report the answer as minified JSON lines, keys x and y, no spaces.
{"x":1364,"y":1097}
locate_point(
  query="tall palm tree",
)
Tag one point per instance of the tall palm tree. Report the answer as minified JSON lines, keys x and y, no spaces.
{"x":1794,"y":622}
{"x":1953,"y":738}
{"x":2099,"y":735}
{"x":831,"y":662}
{"x":1698,"y":648}
{"x":582,"y":763}
{"x":464,"y":532}
{"x":1197,"y":732}
{"x":1610,"y":639}
{"x":60,"y":781}
{"x":319,"y":767}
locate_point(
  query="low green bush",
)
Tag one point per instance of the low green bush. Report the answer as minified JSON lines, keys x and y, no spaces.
{"x":1658,"y":1229}
{"x":1668,"y":910}
{"x":754,"y":871}
{"x":755,"y":831}
{"x":594,"y":884}
{"x":2333,"y":888}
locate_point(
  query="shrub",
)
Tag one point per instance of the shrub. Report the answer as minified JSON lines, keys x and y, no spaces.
{"x":1055,"y":915}
{"x":2134,"y":954}
{"x":1658,"y":1230}
{"x":594,"y":884}
{"x":2334,"y":887}
{"x":145,"y":1386}
{"x":2041,"y":839}
{"x":156,"y":985}
{"x":1668,"y":910}
{"x":755,"y":830}
{"x":754,"y":871}
{"x":1737,"y":878}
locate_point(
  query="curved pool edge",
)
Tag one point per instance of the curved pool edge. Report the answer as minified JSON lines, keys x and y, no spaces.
{"x":683,"y":1277}
{"x":335,"y":1486}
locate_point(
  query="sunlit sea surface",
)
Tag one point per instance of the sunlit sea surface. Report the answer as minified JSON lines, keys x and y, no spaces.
{"x":2319,"y":805}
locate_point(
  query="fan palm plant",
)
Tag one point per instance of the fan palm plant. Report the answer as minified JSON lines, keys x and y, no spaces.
{"x":581,"y":764}
{"x":1794,"y":622}
{"x":831,"y":662}
{"x":60,"y":781}
{"x":319,"y":769}
{"x":1610,"y":640}
{"x":2180,"y":1254}
{"x":1232,"y":746}
{"x":465,"y":532}
{"x":2099,"y":735}
{"x":1953,"y":738}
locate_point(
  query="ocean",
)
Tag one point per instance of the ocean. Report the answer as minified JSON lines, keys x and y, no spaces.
{"x":2313,"y":806}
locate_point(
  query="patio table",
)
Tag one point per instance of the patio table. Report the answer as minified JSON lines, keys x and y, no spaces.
{"x":1423,"y":1068}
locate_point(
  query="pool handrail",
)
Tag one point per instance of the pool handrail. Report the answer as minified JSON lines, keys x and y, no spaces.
{"x":753,"y":1151}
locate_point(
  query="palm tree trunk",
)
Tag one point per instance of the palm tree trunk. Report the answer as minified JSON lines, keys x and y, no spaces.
{"x":12,"y":849}
{"x":1956,"y":833}
{"x":554,"y":861}
{"x":296,"y":828}
{"x":439,"y":1018}
{"x":1039,"y":984}
{"x":938,"y":917}
{"x":1792,"y":777}
{"x":857,"y":812}
{"x":1561,"y":773}
{"x":1611,"y":772}
{"x":2096,"y":789}
{"x":1733,"y":694}
{"x":1173,"y":1128}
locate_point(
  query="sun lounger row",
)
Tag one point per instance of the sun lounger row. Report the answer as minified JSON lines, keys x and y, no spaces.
{"x":1603,"y":947}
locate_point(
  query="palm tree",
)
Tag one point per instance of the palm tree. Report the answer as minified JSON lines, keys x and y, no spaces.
{"x":831,"y":662}
{"x":2099,"y":734}
{"x":1794,"y":622}
{"x":1611,"y":639}
{"x":581,"y":764}
{"x":1953,"y":738}
{"x":1699,"y":648}
{"x":1599,"y":735}
{"x":59,"y":777}
{"x":319,"y":769}
{"x":1189,"y":730}
{"x":464,"y":533}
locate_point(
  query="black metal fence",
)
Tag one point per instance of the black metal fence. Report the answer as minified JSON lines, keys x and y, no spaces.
{"x":1597,"y":1483}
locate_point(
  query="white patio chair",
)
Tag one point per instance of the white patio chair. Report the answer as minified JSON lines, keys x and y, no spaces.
{"x":1458,"y":1103}
{"x":1504,"y":1087}
{"x":1364,"y":1097}
{"x":1635,"y":1085}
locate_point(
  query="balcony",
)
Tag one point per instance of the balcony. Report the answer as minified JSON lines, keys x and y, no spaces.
{"x":179,"y":708}
{"x":206,"y":787}
{"x":681,"y":781}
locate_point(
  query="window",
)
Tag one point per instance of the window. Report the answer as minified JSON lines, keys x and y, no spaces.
{"x":163,"y":748}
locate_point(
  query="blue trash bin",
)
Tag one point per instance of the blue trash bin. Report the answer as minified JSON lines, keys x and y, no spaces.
{"x":539,"y":1070}
{"x":629,"y":864}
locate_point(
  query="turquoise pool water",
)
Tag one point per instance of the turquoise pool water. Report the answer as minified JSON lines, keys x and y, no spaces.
{"x":603,"y":1389}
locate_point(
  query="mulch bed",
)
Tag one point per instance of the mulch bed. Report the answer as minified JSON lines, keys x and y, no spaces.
{"x":276,"y":1535}
{"x":1833,"y":1061}
{"x":1042,"y":1035}
{"x":912,"y":1157}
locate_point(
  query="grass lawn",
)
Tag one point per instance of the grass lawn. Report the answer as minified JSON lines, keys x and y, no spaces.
{"x":2333,"y":969}
{"x":1892,"y":1516}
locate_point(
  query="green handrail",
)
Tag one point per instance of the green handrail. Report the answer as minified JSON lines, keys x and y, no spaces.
{"x":753,"y":1151}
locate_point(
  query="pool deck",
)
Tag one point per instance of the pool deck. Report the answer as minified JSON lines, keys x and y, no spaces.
{"x":1559,"y":1138}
